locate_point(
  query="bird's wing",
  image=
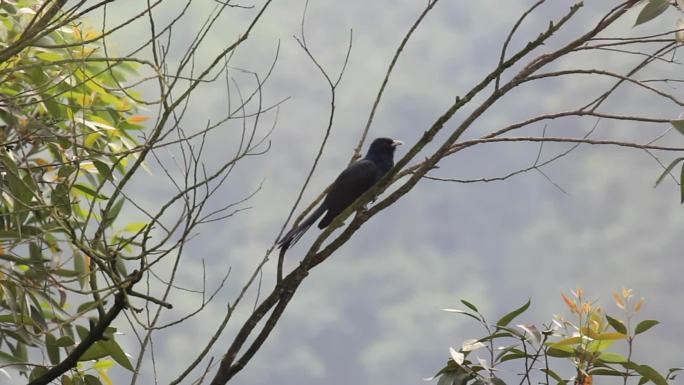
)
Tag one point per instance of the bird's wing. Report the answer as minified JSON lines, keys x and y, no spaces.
{"x":348,"y":186}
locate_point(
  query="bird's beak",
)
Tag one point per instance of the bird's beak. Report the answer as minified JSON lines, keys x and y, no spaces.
{"x":397,"y":143}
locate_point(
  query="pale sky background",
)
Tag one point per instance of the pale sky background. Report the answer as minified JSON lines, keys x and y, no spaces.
{"x":371,"y":314}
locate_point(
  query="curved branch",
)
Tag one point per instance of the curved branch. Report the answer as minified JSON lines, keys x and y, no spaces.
{"x":95,"y":335}
{"x":357,"y":151}
{"x":604,"y":73}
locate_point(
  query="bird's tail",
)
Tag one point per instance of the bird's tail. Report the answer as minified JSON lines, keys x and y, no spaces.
{"x":293,"y":235}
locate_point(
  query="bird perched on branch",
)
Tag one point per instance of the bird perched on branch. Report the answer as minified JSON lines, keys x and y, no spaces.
{"x":349,"y":185}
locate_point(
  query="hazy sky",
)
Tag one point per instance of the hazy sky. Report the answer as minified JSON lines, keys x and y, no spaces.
{"x":370,"y":315}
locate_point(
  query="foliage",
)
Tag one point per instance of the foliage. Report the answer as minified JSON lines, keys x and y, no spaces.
{"x":71,"y":142}
{"x":652,"y":9}
{"x":70,"y":139}
{"x":67,"y":127}
{"x":589,"y":344}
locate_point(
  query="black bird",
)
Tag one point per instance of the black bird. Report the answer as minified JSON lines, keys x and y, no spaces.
{"x":349,"y":185}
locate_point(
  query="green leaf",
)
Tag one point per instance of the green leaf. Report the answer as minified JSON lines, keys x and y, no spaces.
{"x":51,"y":106}
{"x":91,"y":380}
{"x":652,"y":10}
{"x":451,"y":366}
{"x":35,"y":252}
{"x":599,"y":345}
{"x":616,"y":324}
{"x":506,"y":350}
{"x":446,"y":378}
{"x":19,"y":189}
{"x":567,"y":341}
{"x":652,"y":374}
{"x":81,"y":266}
{"x":9,"y":164}
{"x":31,"y":186}
{"x":644,"y":326}
{"x":89,"y":192}
{"x":21,"y":352}
{"x":121,"y":267}
{"x":66,"y":273}
{"x":672,"y":374}
{"x":606,"y":372}
{"x":678,"y":125}
{"x":12,"y":258}
{"x":554,"y":375}
{"x":113,"y":213}
{"x":17,"y":319}
{"x":21,"y":233}
{"x":611,"y":336}
{"x":49,"y":56}
{"x":668,"y":169}
{"x":512,"y":356}
{"x":52,"y":348}
{"x":65,"y":171}
{"x":494,"y":336}
{"x":65,"y":341}
{"x":135,"y":227}
{"x":82,"y":332}
{"x":505,"y":320}
{"x":104,"y":364}
{"x":96,"y":351}
{"x":458,"y":377}
{"x":6,"y":358}
{"x":458,"y":311}
{"x":87,"y":306}
{"x":103,"y":169}
{"x":117,"y":354}
{"x":470,"y":305}
{"x":560,"y":351}
{"x":37,"y":372}
{"x":60,"y":199}
{"x":613,"y":358}
{"x":91,"y":139}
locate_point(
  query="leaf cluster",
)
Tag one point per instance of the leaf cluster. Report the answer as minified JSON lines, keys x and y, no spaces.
{"x":587,"y":346}
{"x":68,"y":126}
